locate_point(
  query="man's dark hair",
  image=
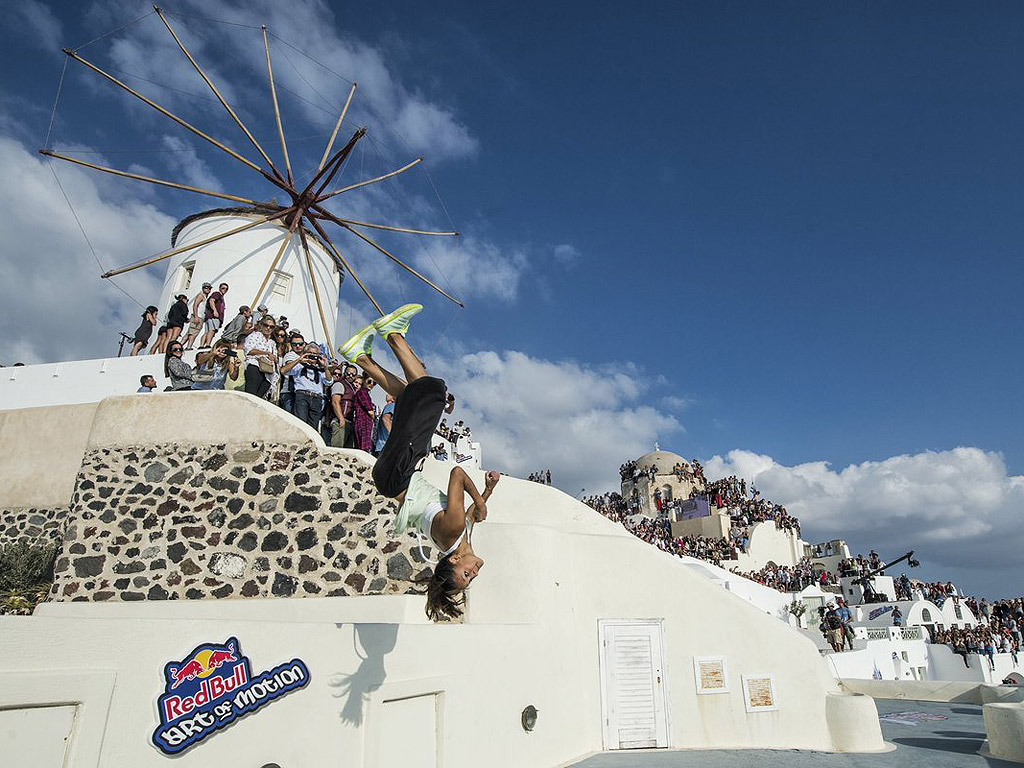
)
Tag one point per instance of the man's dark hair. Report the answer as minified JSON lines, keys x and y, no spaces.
{"x":444,"y":598}
{"x":142,"y":379}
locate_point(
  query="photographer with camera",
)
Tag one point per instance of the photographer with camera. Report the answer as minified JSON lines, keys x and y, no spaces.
{"x":215,"y":366}
{"x":308,"y":372}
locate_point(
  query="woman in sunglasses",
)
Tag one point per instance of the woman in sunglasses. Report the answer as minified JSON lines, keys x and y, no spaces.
{"x":176,"y":369}
{"x":278,"y":381}
{"x":441,"y":517}
{"x":260,"y":357}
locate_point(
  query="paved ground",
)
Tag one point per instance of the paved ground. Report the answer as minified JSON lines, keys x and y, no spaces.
{"x":950,"y":743}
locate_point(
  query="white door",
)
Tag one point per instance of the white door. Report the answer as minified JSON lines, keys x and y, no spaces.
{"x":633,"y":685}
{"x":409,"y":733}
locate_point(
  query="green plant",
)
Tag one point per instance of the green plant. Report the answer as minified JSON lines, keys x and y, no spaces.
{"x":26,"y":572}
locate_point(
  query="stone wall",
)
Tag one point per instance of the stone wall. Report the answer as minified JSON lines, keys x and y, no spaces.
{"x":269,"y":519}
{"x":37,"y":526}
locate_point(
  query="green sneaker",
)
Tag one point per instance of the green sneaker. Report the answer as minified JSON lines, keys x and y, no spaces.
{"x":358,"y":344}
{"x":397,"y":321}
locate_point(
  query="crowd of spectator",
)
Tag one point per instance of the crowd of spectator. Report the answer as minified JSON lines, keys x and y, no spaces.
{"x":714,"y":550}
{"x":859,"y":565}
{"x":785,"y":578}
{"x":185,"y":320}
{"x":631,"y":472}
{"x":459,"y":431}
{"x":999,"y":629}
{"x":659,"y":533}
{"x":730,"y":493}
{"x":275,"y":362}
{"x":984,"y":640}
{"x":543,"y":477}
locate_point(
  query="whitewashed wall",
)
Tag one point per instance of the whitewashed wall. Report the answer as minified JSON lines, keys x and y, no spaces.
{"x":554,"y":568}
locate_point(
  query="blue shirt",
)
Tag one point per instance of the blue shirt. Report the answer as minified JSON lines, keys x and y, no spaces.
{"x":382,"y":431}
{"x":220,"y":377}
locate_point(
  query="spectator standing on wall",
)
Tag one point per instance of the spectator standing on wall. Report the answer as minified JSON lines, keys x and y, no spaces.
{"x":214,"y":367}
{"x":144,"y":331}
{"x":176,"y":369}
{"x":195,"y":325}
{"x":833,"y":628}
{"x":160,"y":345}
{"x":308,"y":373}
{"x":278,"y":381}
{"x":147,"y":383}
{"x":846,"y":616}
{"x":289,"y":359}
{"x":214,"y":318}
{"x":363,"y":413}
{"x":239,"y":327}
{"x":382,"y":427}
{"x":260,"y":358}
{"x":177,"y":317}
{"x":897,"y":616}
{"x":343,"y":393}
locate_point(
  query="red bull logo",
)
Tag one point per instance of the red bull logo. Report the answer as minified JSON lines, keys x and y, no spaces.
{"x":211,"y":688}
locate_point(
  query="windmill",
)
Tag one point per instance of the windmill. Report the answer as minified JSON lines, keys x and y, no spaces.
{"x":306,"y":209}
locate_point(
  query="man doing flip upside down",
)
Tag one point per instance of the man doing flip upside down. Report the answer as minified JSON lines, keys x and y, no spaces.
{"x":441,"y":517}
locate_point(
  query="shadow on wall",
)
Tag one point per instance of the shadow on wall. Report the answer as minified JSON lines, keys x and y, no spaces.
{"x":376,"y":640}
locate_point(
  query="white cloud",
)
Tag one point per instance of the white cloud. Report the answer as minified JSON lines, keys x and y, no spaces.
{"x":958,"y":508}
{"x":677,"y":403}
{"x":579,"y":421}
{"x":425,"y":126}
{"x":472,"y":267}
{"x":53,"y":305}
{"x":566,"y":255}
{"x":190,"y":167}
{"x":35,"y":18}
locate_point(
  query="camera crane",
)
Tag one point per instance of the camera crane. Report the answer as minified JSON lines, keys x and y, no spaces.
{"x":870,"y":596}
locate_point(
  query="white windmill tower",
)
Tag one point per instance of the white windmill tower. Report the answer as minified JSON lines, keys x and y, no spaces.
{"x":256,"y":270}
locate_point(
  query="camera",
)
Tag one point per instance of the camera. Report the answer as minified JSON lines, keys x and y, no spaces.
{"x":231,"y":353}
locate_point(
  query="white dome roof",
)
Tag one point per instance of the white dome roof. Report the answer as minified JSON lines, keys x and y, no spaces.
{"x":663,"y":461}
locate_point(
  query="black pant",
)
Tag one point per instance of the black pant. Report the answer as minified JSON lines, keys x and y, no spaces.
{"x":417,"y":413}
{"x":256,"y":381}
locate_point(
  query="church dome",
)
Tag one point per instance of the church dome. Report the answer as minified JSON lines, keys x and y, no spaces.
{"x":664,"y":461}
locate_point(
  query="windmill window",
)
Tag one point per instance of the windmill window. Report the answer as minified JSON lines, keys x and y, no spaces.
{"x":185,"y":280}
{"x":280,"y":286}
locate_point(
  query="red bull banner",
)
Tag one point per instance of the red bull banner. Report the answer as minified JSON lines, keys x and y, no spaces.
{"x":211,"y":688}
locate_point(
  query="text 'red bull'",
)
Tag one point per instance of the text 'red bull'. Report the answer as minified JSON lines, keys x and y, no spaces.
{"x":209,"y":690}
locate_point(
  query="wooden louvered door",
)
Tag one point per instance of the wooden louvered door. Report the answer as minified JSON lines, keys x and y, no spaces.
{"x":633,"y":685}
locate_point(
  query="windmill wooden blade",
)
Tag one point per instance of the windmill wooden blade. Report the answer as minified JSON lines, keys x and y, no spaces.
{"x":150,"y":179}
{"x":220,"y":98}
{"x":331,"y":217}
{"x":198,"y":243}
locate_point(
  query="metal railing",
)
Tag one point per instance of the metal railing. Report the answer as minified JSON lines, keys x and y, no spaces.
{"x":911,"y":633}
{"x":895,"y":633}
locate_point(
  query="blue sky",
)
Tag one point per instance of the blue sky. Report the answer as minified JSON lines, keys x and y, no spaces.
{"x":789,"y":232}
